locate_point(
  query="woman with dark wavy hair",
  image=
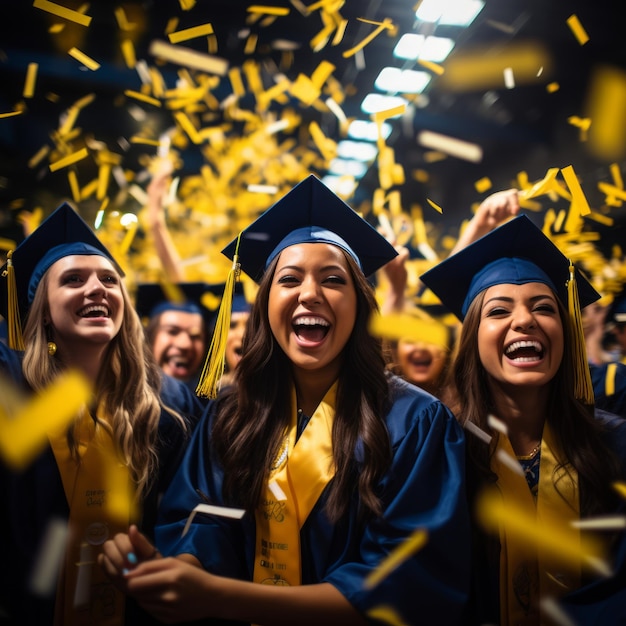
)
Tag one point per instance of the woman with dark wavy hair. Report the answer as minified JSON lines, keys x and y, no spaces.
{"x":332,"y":463}
{"x":111,"y":463}
{"x":521,"y":384}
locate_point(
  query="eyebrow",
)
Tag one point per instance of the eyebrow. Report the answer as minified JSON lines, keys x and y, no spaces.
{"x":543,"y":296}
{"x":330,"y":267}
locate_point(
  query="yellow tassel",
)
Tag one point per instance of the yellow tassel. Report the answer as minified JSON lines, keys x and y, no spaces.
{"x":215,"y":363}
{"x":583,"y":387}
{"x":14,"y":324}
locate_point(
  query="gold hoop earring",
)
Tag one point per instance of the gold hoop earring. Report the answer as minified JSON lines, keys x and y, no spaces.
{"x":52,"y":348}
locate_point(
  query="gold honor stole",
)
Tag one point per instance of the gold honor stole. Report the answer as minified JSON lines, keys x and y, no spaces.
{"x":98,"y":491}
{"x":295,"y":483}
{"x":526,"y":574}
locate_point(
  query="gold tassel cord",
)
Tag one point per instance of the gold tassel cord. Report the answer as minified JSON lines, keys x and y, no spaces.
{"x":215,"y":363}
{"x":14,"y":323}
{"x":583,"y":387}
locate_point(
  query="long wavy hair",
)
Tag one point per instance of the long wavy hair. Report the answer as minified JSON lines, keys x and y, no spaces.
{"x":254,"y":413}
{"x":127,"y":389}
{"x":581,"y":436}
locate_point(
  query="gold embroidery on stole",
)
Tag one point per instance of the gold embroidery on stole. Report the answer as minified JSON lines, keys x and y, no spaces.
{"x":293,"y":488}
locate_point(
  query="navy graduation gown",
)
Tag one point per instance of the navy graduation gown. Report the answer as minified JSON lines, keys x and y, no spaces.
{"x":423,"y":488}
{"x":31,"y":498}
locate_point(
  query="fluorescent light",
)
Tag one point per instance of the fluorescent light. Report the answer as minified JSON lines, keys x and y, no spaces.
{"x":376,"y":103}
{"x":412,"y":46}
{"x":359,"y":150}
{"x":343,"y":167}
{"x":396,"y":80}
{"x":450,"y":12}
{"x":368,"y":131}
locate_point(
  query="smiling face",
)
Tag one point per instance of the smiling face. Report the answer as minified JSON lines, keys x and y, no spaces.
{"x":179,"y":343}
{"x":234,"y":339}
{"x":520,"y":336}
{"x":85,"y":301}
{"x":312,"y":306}
{"x":421,"y":363}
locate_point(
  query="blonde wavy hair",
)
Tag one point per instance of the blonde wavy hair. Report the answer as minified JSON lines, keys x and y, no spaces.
{"x":127,"y":389}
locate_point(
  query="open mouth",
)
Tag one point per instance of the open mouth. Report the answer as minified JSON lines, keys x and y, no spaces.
{"x":524,"y":351}
{"x":311,"y":328}
{"x":95,"y":310}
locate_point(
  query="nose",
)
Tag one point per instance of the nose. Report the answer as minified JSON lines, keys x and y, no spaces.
{"x":310,"y":292}
{"x":94,"y":285}
{"x":522,"y":318}
{"x":183,"y":341}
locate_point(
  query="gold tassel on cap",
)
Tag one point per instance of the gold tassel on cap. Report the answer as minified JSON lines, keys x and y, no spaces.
{"x":583,"y":387}
{"x":215,"y":363}
{"x":14,"y":324}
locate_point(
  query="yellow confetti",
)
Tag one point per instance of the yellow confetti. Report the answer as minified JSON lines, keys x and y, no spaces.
{"x":387,"y":615}
{"x":482,"y":185}
{"x":140,"y":96}
{"x":552,"y":87}
{"x":578,"y":196}
{"x":191,"y":33}
{"x":69,"y":160}
{"x":60,"y":11}
{"x":386,"y":24}
{"x":620,"y":487}
{"x":11,"y":114}
{"x":25,"y":433}
{"x":189,"y":58}
{"x":31,"y":78}
{"x":435,"y":68}
{"x":396,"y":557}
{"x":435,"y":206}
{"x":266,"y":10}
{"x":577,"y":28}
{"x":409,"y":327}
{"x":81,"y":57}
{"x":128,"y":52}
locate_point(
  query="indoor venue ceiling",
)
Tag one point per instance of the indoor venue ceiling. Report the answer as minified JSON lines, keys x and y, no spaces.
{"x":521,"y":127}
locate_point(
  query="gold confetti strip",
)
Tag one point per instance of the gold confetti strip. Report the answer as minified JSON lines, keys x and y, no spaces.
{"x":327,"y":146}
{"x":11,"y":114}
{"x":191,"y":33}
{"x":620,"y":487}
{"x":435,"y":68}
{"x":128,"y":52}
{"x":386,"y":24}
{"x":122,"y":20}
{"x":267,"y":10}
{"x":387,"y":615}
{"x":140,"y":96}
{"x":396,"y":326}
{"x":74,"y":186}
{"x":450,"y":145}
{"x":605,"y":220}
{"x":60,"y":11}
{"x":578,"y":196}
{"x":31,"y":79}
{"x":552,"y":87}
{"x":483,"y":184}
{"x":553,"y":539}
{"x":435,"y":206}
{"x":81,"y":57}
{"x":24,"y":434}
{"x":7,"y":244}
{"x":189,"y":58}
{"x":69,"y":160}
{"x":396,"y":557}
{"x":577,"y":29}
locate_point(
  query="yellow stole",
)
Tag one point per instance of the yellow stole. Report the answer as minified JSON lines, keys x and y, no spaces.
{"x":526,"y":575}
{"x":98,"y":491}
{"x":296,"y":481}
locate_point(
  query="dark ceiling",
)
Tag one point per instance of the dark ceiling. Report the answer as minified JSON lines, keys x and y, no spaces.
{"x":525,"y":128}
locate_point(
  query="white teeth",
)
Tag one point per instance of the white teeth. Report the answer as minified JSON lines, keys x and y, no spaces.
{"x":310,"y":321}
{"x":524,"y":344}
{"x":94,"y":309}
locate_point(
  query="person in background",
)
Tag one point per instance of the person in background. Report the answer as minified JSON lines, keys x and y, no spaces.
{"x":178,"y":328}
{"x":424,"y":358}
{"x":616,"y":322}
{"x":520,"y":384}
{"x":110,"y":466}
{"x":335,"y":463}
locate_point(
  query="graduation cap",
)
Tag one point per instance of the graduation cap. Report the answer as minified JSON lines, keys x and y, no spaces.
{"x":62,"y":233}
{"x":309,"y":213}
{"x":517,"y":252}
{"x":617,"y":310}
{"x":152,"y":299}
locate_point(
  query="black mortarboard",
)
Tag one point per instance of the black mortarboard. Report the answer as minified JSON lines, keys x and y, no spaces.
{"x":152,"y":299}
{"x":62,"y":233}
{"x":517,"y":252}
{"x":309,"y":213}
